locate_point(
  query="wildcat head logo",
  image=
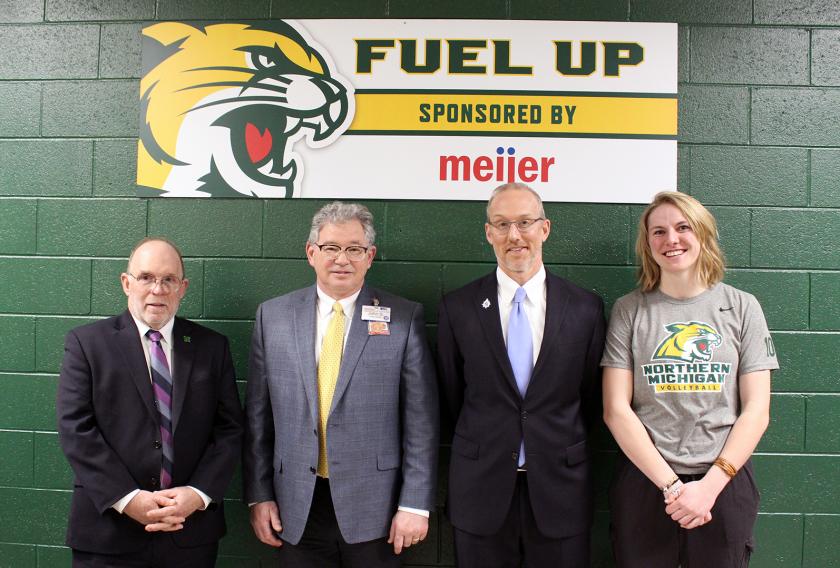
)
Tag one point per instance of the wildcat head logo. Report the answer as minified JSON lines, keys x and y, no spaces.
{"x":691,"y":342}
{"x":222,"y":106}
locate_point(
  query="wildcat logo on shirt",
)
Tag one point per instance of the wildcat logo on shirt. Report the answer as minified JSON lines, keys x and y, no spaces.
{"x":682,"y":361}
{"x":222,"y":106}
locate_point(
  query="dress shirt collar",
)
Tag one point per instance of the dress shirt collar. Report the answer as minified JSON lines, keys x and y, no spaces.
{"x":325,"y":303}
{"x":165,"y":331}
{"x":534,"y":288}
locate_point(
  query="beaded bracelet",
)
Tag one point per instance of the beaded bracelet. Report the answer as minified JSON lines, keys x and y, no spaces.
{"x":727,"y":467}
{"x":673,"y":490}
{"x":672,"y":485}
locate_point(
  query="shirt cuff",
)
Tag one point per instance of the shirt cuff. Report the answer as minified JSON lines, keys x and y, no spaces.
{"x":203,"y":495}
{"x":120,"y":505}
{"x":420,"y":512}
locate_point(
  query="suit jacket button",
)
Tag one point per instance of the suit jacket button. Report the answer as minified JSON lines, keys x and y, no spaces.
{"x":515,"y":456}
{"x":157,"y":444}
{"x":524,"y":415}
{"x":313,"y":470}
{"x":154,"y":482}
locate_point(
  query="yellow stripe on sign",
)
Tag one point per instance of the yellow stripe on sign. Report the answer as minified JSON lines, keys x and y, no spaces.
{"x":707,"y":387}
{"x":548,"y":114}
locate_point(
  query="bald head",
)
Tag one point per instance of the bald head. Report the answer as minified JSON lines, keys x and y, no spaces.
{"x":163,"y":240}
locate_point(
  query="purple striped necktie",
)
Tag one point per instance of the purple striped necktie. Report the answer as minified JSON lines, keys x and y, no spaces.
{"x":162,"y":383}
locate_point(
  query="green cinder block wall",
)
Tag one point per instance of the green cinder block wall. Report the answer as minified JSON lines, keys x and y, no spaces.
{"x":759,"y":142}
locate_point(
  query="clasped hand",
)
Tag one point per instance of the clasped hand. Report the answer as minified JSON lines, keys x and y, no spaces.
{"x":165,"y":510}
{"x":692,"y":507}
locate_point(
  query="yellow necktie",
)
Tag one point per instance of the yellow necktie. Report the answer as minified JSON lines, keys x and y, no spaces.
{"x":328,"y":367}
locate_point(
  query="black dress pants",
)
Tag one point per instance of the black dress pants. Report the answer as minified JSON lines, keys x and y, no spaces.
{"x":519,"y":542}
{"x":322,"y":545}
{"x":162,"y":552}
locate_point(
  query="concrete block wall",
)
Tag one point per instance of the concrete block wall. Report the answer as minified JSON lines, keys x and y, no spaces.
{"x":759,"y":143}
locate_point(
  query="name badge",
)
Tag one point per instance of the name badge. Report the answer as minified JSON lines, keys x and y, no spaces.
{"x":376,"y":313}
{"x":378,"y":328}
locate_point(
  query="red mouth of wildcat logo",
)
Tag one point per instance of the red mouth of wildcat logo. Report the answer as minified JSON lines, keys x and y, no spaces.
{"x":703,"y":346}
{"x":258,"y":144}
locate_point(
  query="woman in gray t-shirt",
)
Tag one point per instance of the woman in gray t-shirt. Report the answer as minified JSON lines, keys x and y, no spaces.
{"x":686,"y":395}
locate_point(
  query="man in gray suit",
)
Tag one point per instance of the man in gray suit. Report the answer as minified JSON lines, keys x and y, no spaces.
{"x":342,"y":411}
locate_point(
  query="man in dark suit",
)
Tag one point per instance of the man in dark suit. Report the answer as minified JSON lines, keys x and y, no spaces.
{"x":519,"y":357}
{"x":341,"y":411}
{"x":150,"y":421}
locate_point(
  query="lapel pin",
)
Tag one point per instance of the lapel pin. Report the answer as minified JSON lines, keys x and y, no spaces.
{"x":486,"y":303}
{"x":187,"y":339}
{"x":378,"y":328}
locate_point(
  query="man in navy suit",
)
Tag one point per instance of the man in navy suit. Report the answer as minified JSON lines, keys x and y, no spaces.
{"x":150,"y":421}
{"x":519,"y":352}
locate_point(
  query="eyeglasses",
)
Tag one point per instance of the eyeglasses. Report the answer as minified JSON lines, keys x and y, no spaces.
{"x":167,"y":283}
{"x":353,"y":252}
{"x":523,"y":225}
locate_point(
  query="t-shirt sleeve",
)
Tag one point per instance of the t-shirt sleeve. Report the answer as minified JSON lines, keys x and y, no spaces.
{"x":758,"y":353}
{"x":618,"y":351}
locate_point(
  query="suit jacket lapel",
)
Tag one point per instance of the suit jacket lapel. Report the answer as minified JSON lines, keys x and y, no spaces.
{"x":556,"y":304}
{"x":128,"y":341}
{"x":304,"y":327}
{"x":356,"y":341}
{"x":492,"y":325}
{"x":183,"y":354}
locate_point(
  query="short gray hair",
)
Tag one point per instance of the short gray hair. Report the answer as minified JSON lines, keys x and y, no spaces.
{"x":336,"y":213}
{"x":514,"y":186}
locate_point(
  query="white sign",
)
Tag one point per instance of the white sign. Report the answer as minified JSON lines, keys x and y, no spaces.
{"x":417,"y":109}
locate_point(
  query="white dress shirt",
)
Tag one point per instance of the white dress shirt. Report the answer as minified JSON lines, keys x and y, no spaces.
{"x":534,"y":304}
{"x":166,"y":345}
{"x":324,"y":315}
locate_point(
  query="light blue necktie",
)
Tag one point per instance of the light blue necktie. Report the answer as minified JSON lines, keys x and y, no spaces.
{"x":520,"y":350}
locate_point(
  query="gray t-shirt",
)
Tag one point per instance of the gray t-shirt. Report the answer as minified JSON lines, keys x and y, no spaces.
{"x":686,"y":357}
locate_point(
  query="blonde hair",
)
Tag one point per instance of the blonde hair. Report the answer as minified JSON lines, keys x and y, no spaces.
{"x":710,"y":262}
